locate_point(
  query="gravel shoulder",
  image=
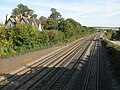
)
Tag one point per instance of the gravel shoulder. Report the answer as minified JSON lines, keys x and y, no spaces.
{"x":106,"y":78}
{"x":13,"y":63}
{"x":114,"y":42}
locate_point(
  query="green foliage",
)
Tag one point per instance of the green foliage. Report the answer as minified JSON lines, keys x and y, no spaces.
{"x":55,"y":14}
{"x":13,"y":38}
{"x":55,"y":37}
{"x":110,"y":34}
{"x":23,"y":38}
{"x":114,"y":57}
{"x":116,"y":35}
{"x":113,"y":52}
{"x":73,"y":29}
{"x":61,"y":25}
{"x":53,"y":20}
{"x":24,"y":10}
{"x":50,"y":24}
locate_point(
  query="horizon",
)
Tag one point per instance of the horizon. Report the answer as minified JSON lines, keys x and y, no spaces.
{"x":102,"y":13}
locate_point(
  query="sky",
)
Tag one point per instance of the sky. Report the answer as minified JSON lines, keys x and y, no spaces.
{"x":87,"y":12}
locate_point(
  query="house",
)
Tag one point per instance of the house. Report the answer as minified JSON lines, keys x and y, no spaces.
{"x":13,"y":20}
{"x":10,"y":21}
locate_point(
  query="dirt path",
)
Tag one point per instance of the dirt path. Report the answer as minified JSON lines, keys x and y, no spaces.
{"x":114,"y":42}
{"x":12,"y":63}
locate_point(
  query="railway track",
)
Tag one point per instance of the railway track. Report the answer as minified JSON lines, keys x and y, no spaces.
{"x":63,"y":84}
{"x":35,"y":64}
{"x":55,"y":71}
{"x":92,"y":78}
{"x":82,"y":62}
{"x":27,"y":84}
{"x":56,"y":77}
{"x":27,"y":71}
{"x":60,"y":79}
{"x":21,"y":78}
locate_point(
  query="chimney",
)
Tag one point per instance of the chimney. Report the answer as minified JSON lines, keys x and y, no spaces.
{"x":7,"y":17}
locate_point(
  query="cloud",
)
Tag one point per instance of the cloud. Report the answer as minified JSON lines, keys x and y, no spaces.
{"x":3,"y":8}
{"x":104,"y":7}
{"x":86,"y":11}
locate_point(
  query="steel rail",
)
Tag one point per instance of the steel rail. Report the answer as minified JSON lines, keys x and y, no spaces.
{"x":57,"y":78}
{"x":33,"y":65}
{"x":87,"y":77}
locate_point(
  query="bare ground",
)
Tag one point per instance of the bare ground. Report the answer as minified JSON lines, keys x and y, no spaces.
{"x":13,"y":63}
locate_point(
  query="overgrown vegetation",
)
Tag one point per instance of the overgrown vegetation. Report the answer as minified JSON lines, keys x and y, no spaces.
{"x":109,"y":34}
{"x":113,"y":52}
{"x":114,"y":58}
{"x":112,"y":34}
{"x":24,"y":10}
{"x":23,"y":38}
{"x":116,"y":35}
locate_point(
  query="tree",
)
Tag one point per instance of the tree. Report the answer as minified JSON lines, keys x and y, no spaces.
{"x":50,"y":24}
{"x":61,"y":25}
{"x":24,"y":10}
{"x":56,"y":16}
{"x":52,"y":21}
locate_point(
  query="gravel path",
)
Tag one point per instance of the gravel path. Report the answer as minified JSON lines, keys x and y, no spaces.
{"x":116,"y":42}
{"x":13,"y":63}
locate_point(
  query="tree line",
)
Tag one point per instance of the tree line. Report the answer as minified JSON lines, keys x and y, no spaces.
{"x":23,"y":38}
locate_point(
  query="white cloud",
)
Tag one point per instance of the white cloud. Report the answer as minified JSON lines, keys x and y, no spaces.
{"x":81,"y":8}
{"x":102,"y":6}
{"x":3,"y":8}
{"x":85,"y":11}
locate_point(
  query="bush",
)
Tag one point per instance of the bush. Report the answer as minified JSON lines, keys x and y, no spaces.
{"x":23,"y":38}
{"x":113,"y":56}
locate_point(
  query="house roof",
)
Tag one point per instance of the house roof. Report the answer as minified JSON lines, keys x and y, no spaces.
{"x":24,"y":19}
{"x":32,"y":21}
{"x":12,"y":21}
